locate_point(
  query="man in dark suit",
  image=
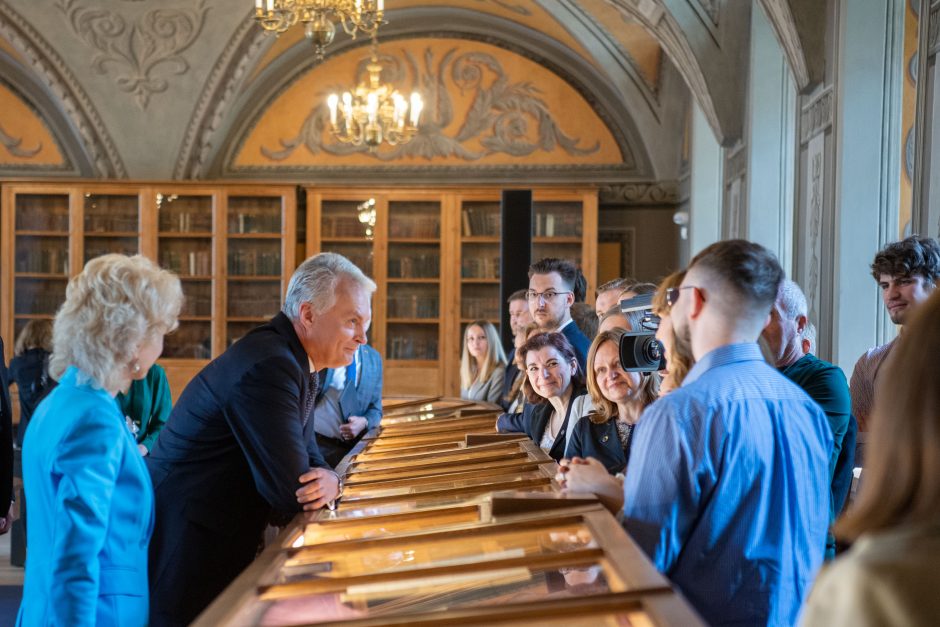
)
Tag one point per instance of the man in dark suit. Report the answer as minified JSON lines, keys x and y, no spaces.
{"x":349,"y":403}
{"x":519,"y":318}
{"x":550,"y":295}
{"x":233,"y":455}
{"x":6,"y":447}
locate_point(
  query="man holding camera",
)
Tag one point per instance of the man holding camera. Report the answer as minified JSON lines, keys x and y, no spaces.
{"x":728,"y":472}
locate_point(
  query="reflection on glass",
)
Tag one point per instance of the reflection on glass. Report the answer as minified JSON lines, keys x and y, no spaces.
{"x":440,"y":593}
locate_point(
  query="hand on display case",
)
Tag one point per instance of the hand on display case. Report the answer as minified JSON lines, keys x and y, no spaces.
{"x":589,"y":475}
{"x":319,"y":487}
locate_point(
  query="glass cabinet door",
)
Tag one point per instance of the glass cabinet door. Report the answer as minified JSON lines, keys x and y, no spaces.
{"x":184,"y":245}
{"x":479,"y":261}
{"x":414,"y":280}
{"x":41,"y":256}
{"x":111,"y":224}
{"x":254,"y":262}
{"x":347,"y":227}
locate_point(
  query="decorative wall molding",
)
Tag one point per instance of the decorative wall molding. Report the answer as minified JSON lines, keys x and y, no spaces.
{"x":816,"y":115}
{"x":814,"y":189}
{"x":498,"y":119}
{"x":781,"y":20}
{"x":66,"y":91}
{"x":650,"y":193}
{"x":12,"y":145}
{"x":509,"y":5}
{"x":735,"y":161}
{"x":933,"y":30}
{"x":217,"y":98}
{"x":663,"y":26}
{"x":144,"y":50}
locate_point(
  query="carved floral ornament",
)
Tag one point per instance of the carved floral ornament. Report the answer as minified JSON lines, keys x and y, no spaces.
{"x":12,"y":145}
{"x":473,"y":110}
{"x":140,"y":52}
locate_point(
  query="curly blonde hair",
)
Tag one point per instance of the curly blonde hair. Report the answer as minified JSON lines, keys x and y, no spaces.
{"x":114,"y":306}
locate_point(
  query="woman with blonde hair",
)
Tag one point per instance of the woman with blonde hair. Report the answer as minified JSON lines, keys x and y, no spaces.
{"x":482,"y":364}
{"x":91,"y":497}
{"x":890,"y":575}
{"x":679,"y":358}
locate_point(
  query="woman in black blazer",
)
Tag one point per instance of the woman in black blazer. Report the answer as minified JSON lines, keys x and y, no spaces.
{"x":619,"y":399}
{"x":555,"y":394}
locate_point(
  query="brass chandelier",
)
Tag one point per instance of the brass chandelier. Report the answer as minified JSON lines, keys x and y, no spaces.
{"x":374,"y":111}
{"x":318,"y":16}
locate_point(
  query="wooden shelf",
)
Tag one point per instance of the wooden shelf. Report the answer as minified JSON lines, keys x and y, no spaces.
{"x":413,"y":280}
{"x":112,"y":234}
{"x":413,"y":320}
{"x":182,"y":235}
{"x":346,"y":240}
{"x":41,"y":275}
{"x":42,"y":233}
{"x":414,"y":240}
{"x":276,"y":236}
{"x":195,"y":318}
{"x":34,"y":316}
{"x":546,"y":239}
{"x":481,"y":239}
{"x":253,"y":278}
{"x":195,"y":277}
{"x":475,"y":281}
{"x":257,"y":319}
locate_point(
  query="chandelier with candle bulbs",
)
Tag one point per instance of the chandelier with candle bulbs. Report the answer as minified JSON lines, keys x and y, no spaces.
{"x":374,"y":112}
{"x":318,"y":16}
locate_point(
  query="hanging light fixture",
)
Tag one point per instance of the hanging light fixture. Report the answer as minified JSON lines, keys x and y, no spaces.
{"x":318,"y":17}
{"x":374,"y":112}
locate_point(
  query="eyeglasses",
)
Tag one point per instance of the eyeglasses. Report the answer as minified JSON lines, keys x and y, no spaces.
{"x":672,"y":294}
{"x":547,"y":296}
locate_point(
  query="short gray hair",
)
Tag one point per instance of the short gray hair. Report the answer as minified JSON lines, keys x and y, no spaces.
{"x":115,"y":305}
{"x":315,"y":282}
{"x":791,"y":300}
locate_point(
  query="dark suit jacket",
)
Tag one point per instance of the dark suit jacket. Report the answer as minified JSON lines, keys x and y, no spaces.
{"x":580,"y":343}
{"x":510,"y":377}
{"x":601,"y":442}
{"x":534,"y":418}
{"x":227,"y":460}
{"x":6,"y":438}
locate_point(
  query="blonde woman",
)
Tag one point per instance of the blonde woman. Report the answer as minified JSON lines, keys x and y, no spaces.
{"x":483,"y":363}
{"x":91,"y":497}
{"x":890,"y":575}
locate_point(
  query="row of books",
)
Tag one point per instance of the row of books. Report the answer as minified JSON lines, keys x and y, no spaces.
{"x":342,"y":226}
{"x":190,"y":341}
{"x":479,"y":268}
{"x":558,"y":224}
{"x":46,"y":260}
{"x":242,"y":223}
{"x":414,"y":226}
{"x":39,"y":299}
{"x":479,"y":307}
{"x":408,"y":347}
{"x":185,"y":222}
{"x":256,"y":307}
{"x":415,"y":267}
{"x":187,"y":263}
{"x":413,"y":306}
{"x":480,"y":221}
{"x":253,"y":262}
{"x":111,"y":223}
{"x":41,"y":219}
{"x":119,"y":246}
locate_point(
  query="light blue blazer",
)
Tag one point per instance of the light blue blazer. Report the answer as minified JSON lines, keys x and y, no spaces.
{"x":90,"y":512}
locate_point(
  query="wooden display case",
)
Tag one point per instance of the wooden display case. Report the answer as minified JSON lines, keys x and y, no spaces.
{"x":435,"y":257}
{"x":229,"y":244}
{"x":473,"y":553}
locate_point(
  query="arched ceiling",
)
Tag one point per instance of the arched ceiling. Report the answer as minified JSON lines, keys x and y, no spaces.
{"x":167,"y":89}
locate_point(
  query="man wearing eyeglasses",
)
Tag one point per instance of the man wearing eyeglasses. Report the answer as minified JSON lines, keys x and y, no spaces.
{"x":727,"y":485}
{"x":550,"y":296}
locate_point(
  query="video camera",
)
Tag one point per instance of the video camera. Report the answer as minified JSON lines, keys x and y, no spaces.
{"x":640,"y":351}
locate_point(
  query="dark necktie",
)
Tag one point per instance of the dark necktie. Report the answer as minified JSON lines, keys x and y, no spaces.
{"x":311,"y":397}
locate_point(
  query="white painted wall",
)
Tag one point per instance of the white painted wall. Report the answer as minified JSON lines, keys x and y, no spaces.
{"x":705,"y":186}
{"x":771,"y":128}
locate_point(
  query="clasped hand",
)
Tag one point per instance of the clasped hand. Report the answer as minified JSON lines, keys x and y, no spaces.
{"x":589,"y":475}
{"x":318,"y":487}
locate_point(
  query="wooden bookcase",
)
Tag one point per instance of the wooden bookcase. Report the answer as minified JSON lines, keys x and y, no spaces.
{"x":232,"y":246}
{"x":434,"y":254}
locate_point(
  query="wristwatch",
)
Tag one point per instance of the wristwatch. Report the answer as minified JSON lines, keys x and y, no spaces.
{"x":339,"y":494}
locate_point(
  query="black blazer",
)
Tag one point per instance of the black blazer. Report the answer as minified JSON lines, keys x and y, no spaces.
{"x":534,"y":418}
{"x":580,"y":343}
{"x":6,"y":438}
{"x":601,"y":442}
{"x":228,"y":459}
